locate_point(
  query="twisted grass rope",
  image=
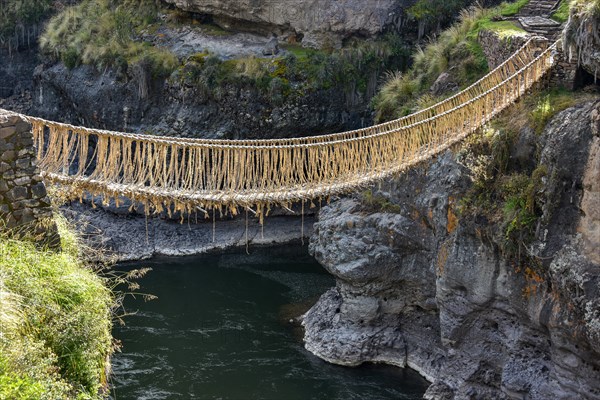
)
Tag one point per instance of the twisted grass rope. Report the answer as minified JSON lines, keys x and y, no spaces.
{"x":189,"y":175}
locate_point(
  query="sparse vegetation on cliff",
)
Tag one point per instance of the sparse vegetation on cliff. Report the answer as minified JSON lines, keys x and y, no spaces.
{"x":506,"y":190}
{"x":103,"y":33}
{"x":354,"y":68}
{"x":455,"y":51}
{"x":17,"y":13}
{"x":55,"y":322}
{"x":562,"y":12}
{"x":108,"y":34}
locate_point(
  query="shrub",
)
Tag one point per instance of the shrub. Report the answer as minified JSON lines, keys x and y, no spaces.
{"x":55,"y":330}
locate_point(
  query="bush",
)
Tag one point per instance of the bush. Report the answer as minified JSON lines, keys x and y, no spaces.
{"x":55,"y":323}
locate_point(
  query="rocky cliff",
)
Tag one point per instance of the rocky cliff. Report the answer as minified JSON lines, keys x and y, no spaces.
{"x":315,"y":23}
{"x":175,"y":107}
{"x":581,"y":37}
{"x":428,"y":285}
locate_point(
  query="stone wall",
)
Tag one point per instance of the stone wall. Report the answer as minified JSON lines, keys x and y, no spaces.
{"x":498,"y":48}
{"x":24,"y":205}
{"x":564,"y":71}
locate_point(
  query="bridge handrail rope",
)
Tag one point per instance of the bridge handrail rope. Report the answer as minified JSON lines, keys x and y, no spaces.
{"x":187,"y":175}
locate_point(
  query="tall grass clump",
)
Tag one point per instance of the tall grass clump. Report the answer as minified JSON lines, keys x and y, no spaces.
{"x":589,"y":7}
{"x":562,"y":12}
{"x":55,"y":322}
{"x":455,"y":50}
{"x":354,"y":69}
{"x":105,"y":33}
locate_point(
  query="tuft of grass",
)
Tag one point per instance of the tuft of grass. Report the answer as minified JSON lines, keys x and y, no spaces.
{"x":455,"y":48}
{"x":502,"y":28}
{"x":562,"y":12}
{"x":586,"y":7}
{"x":537,"y":110}
{"x":55,"y":330}
{"x":511,"y":9}
{"x":104,"y":33}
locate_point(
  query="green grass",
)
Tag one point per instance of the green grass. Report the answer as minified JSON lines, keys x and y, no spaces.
{"x":538,"y":109}
{"x":503,"y":28}
{"x":103,"y":33}
{"x":456,"y":49}
{"x":511,"y":9}
{"x":562,"y":13}
{"x":55,"y":322}
{"x":298,"y":50}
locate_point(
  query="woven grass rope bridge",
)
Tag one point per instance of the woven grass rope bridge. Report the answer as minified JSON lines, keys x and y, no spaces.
{"x":191,"y":175}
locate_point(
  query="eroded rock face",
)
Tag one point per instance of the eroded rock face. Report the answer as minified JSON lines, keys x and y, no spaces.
{"x":424,"y":289}
{"x":319,"y":22}
{"x":383,"y":308}
{"x":581,"y":39}
{"x":84,"y":96}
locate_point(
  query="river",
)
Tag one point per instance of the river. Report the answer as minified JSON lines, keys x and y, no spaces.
{"x":220,"y":329}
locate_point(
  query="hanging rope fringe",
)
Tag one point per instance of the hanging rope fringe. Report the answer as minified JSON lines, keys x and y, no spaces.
{"x":179,"y":175}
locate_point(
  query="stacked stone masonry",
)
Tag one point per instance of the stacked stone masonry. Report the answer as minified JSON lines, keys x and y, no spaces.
{"x":498,"y":48}
{"x":24,"y":205}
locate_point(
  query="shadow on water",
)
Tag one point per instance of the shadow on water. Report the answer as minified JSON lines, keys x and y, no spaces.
{"x":218,"y":330}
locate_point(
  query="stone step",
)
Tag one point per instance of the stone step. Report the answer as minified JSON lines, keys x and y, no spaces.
{"x":539,"y":7}
{"x":538,"y":22}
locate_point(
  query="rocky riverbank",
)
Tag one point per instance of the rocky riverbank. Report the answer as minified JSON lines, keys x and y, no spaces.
{"x":425,"y":288}
{"x":125,"y":236}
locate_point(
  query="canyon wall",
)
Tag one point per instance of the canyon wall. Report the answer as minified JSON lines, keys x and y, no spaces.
{"x":426,"y":285}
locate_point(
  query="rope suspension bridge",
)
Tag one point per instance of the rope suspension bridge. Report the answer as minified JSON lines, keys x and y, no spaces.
{"x":191,"y":175}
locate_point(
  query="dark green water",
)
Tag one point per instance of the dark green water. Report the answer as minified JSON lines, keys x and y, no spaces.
{"x":218,"y":330}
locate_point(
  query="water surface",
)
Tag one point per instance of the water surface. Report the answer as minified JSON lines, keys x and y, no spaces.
{"x":219,"y":330}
